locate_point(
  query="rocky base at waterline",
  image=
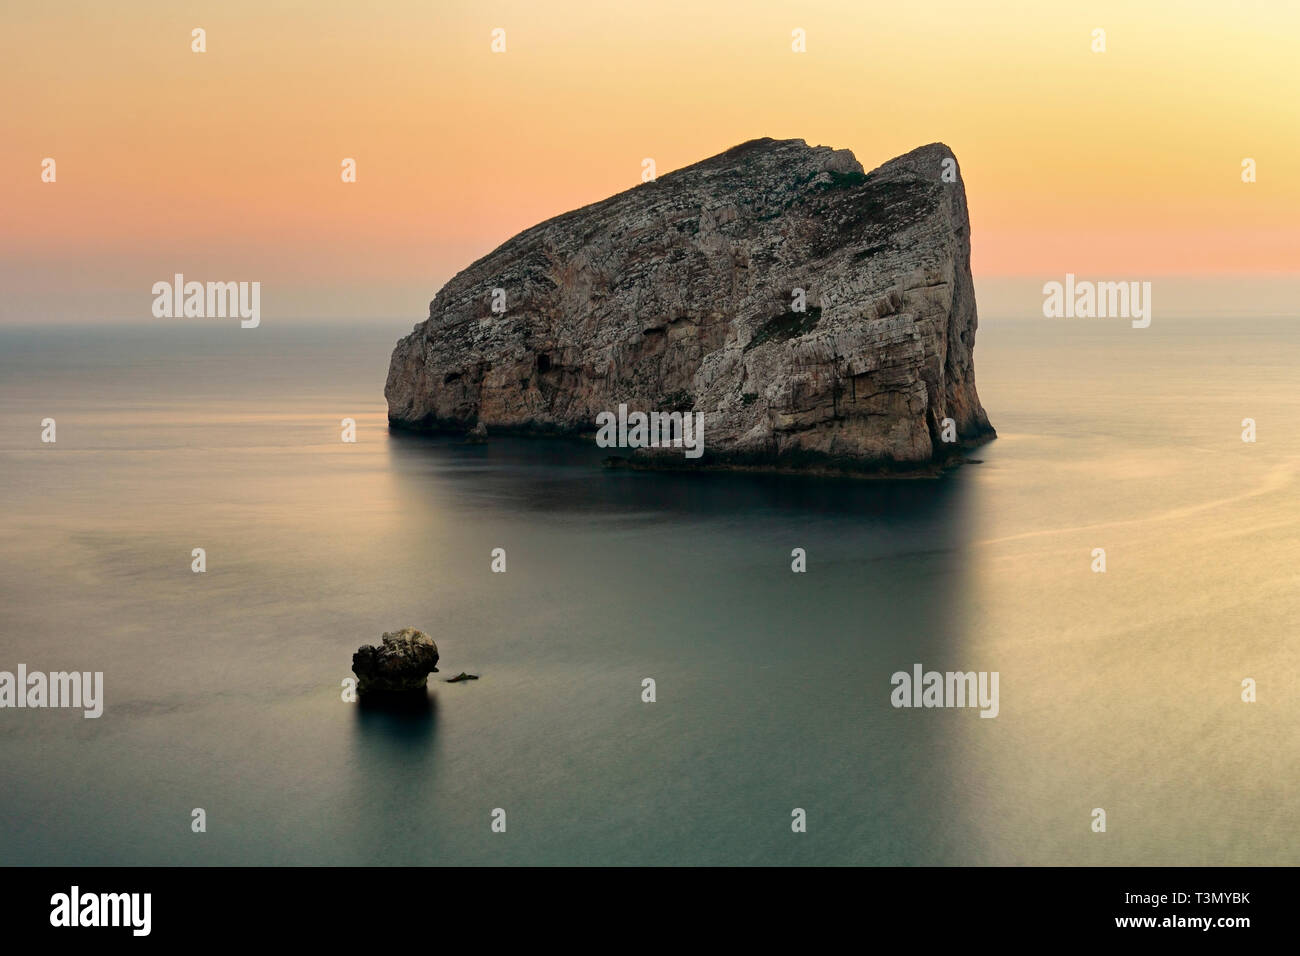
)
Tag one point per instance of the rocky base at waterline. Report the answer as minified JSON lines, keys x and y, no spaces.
{"x":819,"y":317}
{"x":813,"y":466}
{"x":398,"y":667}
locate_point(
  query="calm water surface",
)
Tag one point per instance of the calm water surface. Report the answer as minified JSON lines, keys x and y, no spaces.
{"x":1118,"y":690}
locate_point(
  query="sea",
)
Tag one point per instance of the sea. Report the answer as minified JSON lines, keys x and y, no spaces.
{"x":1161,"y":691}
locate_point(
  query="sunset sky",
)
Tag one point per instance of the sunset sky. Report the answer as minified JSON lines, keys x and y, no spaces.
{"x":225,"y":165}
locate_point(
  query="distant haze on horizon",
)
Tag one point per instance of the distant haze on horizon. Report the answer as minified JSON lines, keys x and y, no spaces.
{"x":225,"y":165}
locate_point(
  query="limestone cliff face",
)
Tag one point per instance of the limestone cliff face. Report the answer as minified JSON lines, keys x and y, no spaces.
{"x":680,"y":294}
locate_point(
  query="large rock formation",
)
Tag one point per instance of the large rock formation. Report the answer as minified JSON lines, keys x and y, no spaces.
{"x":681,"y":294}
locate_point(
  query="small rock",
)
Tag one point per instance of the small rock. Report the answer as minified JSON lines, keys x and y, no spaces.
{"x":461,"y":676}
{"x":477,"y":435}
{"x":402,"y":662}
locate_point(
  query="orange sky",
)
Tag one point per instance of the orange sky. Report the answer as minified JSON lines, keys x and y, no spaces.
{"x":225,"y":165}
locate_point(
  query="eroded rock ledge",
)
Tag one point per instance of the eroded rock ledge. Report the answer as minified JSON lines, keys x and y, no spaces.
{"x":679,"y":294}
